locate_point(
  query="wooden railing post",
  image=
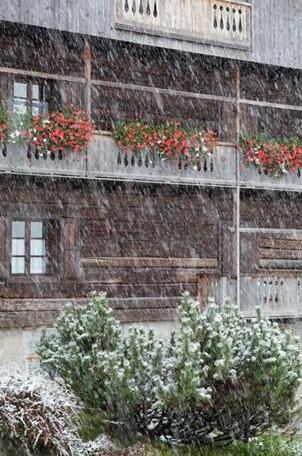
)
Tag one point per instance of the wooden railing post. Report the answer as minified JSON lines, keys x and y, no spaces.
{"x":237,"y":192}
{"x":87,"y":74}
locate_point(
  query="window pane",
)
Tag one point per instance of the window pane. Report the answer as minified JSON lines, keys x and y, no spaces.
{"x":20,"y":107}
{"x":20,"y":90}
{"x":18,"y":229}
{"x":18,"y":247}
{"x":18,"y":265}
{"x":36,"y":230}
{"x":37,"y":247}
{"x":36,"y":92}
{"x":37,"y":265}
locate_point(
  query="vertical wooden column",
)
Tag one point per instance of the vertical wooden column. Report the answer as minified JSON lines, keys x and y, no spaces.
{"x":70,"y":249}
{"x":87,"y":74}
{"x":237,"y":192}
{"x":4,"y":260}
{"x":202,"y":291}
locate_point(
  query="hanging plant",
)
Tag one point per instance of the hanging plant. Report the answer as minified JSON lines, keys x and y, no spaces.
{"x":69,"y":130}
{"x":168,"y":141}
{"x":275,"y":157}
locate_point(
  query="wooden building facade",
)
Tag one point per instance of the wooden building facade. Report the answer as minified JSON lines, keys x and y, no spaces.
{"x":143,"y":232}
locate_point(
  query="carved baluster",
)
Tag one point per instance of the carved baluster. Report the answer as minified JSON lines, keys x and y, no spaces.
{"x":215,"y":16}
{"x":37,"y":154}
{"x":60,"y":154}
{"x":4,"y":150}
{"x":133,"y":160}
{"x":205,"y":165}
{"x":240,"y":21}
{"x":140,"y":162}
{"x":126,"y":6}
{"x":228,"y":25}
{"x":147,"y":161}
{"x":126,"y":160}
{"x":276,"y":291}
{"x":234,"y":20}
{"x":211,"y":164}
{"x":221,"y":18}
{"x":148,"y":9}
{"x":271,"y":291}
{"x":155,"y":12}
{"x":265,"y":292}
{"x":134,"y":7}
{"x":119,"y":158}
{"x":29,"y":154}
{"x":141,"y":7}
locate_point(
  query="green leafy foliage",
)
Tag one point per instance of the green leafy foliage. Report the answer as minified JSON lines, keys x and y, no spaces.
{"x":167,"y":141}
{"x":218,"y":379}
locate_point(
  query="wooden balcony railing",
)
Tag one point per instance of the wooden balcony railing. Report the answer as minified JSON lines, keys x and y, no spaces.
{"x":276,"y":297}
{"x":19,"y":160}
{"x":103,"y":160}
{"x":219,"y":22}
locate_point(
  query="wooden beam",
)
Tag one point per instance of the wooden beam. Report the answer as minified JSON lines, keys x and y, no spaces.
{"x":146,"y":262}
{"x":42,"y":75}
{"x":266,"y":104}
{"x":161,"y":91}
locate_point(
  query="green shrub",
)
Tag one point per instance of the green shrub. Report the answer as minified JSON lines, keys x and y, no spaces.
{"x":218,"y":379}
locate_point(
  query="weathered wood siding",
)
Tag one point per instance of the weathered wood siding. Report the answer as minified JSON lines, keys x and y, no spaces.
{"x":276,"y":32}
{"x":137,"y":243}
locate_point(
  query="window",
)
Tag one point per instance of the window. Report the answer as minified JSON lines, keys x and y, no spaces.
{"x":28,"y":247}
{"x":30,"y":95}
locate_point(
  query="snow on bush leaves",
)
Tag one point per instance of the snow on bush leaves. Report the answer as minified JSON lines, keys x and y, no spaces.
{"x":35,"y":413}
{"x":218,"y":378}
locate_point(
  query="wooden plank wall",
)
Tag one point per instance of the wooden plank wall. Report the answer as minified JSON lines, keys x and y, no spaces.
{"x":131,"y":81}
{"x":143,"y":245}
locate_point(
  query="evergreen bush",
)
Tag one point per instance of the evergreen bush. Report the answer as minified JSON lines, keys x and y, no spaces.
{"x":218,"y":379}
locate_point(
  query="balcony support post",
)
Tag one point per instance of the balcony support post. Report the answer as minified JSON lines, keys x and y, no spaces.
{"x":237,"y":192}
{"x":87,"y":74}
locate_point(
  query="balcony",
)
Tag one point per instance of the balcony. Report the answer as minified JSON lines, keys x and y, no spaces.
{"x":219,"y":22}
{"x":276,"y":296}
{"x":103,"y":160}
{"x":20,"y":160}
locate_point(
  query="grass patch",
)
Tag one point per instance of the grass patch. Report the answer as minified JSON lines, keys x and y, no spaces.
{"x":265,"y":446}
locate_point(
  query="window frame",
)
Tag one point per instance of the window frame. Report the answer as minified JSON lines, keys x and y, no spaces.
{"x":27,"y":247}
{"x":30,"y":82}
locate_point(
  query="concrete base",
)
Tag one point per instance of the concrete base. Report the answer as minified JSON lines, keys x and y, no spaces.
{"x":18,"y":346}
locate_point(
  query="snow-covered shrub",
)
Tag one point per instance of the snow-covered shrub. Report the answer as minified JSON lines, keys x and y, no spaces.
{"x":38,"y":416}
{"x":35,"y":414}
{"x":218,"y":378}
{"x":227,"y":379}
{"x":83,"y":348}
{"x":112,"y":374}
